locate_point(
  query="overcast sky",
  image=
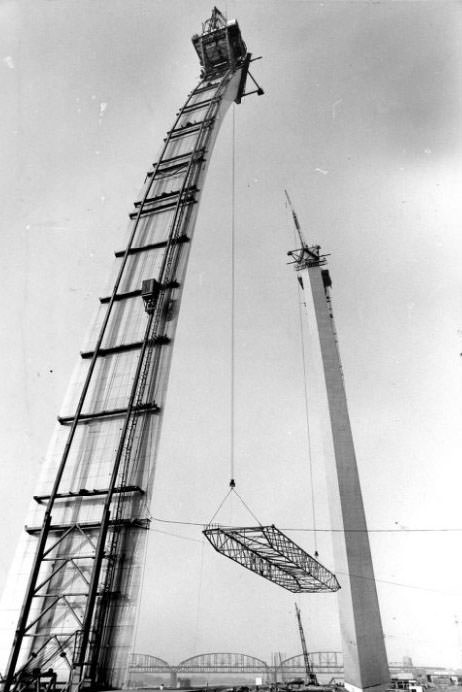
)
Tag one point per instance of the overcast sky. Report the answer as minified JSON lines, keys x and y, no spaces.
{"x":361,"y":123}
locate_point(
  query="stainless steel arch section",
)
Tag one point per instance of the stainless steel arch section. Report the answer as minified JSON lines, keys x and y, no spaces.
{"x":79,"y":562}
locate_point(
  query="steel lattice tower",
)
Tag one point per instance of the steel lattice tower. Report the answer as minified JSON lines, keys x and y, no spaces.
{"x":70,"y":604}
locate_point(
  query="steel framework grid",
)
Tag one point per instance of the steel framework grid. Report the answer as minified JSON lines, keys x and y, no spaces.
{"x":61,"y":625}
{"x":270,"y":553}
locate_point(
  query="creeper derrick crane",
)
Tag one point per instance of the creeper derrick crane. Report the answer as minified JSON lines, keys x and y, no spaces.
{"x":311,"y":678}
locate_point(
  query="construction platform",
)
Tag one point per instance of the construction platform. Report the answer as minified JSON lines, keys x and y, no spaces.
{"x":270,"y":553}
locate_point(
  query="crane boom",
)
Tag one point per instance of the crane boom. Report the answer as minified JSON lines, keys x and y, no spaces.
{"x":309,"y":253}
{"x":295,"y":219}
{"x":311,"y":678}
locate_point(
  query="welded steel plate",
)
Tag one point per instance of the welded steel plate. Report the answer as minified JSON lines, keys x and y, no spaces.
{"x":270,"y":553}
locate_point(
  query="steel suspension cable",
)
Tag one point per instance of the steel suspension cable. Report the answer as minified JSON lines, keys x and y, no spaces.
{"x":232,"y":321}
{"x":220,"y":505}
{"x":232,"y":417}
{"x":248,"y":508}
{"x":233,"y":287}
{"x":308,"y":432}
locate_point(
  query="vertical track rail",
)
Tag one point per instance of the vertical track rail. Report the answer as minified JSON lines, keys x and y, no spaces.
{"x":136,"y":395}
{"x":20,"y":631}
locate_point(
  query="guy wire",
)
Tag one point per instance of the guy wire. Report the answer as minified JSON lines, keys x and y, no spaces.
{"x":308,"y":435}
{"x":305,"y":391}
{"x":233,"y":286}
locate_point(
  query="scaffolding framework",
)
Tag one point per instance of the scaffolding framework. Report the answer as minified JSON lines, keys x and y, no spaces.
{"x":270,"y":553}
{"x":69,"y":608}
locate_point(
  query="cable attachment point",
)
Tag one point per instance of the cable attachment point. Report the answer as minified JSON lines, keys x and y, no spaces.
{"x":232,"y":483}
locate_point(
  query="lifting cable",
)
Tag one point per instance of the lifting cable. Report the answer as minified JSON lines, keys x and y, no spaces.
{"x":233,"y":292}
{"x":308,"y":433}
{"x":305,"y":390}
{"x":220,"y":505}
{"x":247,"y":507}
{"x":232,"y":483}
{"x":232,"y":489}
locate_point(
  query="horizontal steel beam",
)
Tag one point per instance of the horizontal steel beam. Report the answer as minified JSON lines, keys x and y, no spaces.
{"x":91,"y":525}
{"x":110,"y":413}
{"x":83,"y":492}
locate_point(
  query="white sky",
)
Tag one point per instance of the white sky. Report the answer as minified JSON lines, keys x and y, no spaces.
{"x":361,"y":122}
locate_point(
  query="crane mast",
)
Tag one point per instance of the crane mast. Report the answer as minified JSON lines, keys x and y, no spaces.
{"x":311,"y":678}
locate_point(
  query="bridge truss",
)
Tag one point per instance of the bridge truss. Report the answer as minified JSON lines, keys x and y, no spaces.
{"x":327,"y":663}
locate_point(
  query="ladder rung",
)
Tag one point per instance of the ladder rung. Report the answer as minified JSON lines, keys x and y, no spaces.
{"x":198,"y":105}
{"x":160,"y":209}
{"x":83,"y":492}
{"x":191,"y":189}
{"x":121,"y":296}
{"x":136,"y":292}
{"x":60,"y":594}
{"x":88,"y":526}
{"x":151,"y":407}
{"x":157,"y":198}
{"x":152,"y":246}
{"x":134,"y":250}
{"x":135,"y":345}
{"x":64,"y":558}
{"x":177,"y":167}
{"x":207,"y":87}
{"x":189,"y":128}
{"x":176,"y":159}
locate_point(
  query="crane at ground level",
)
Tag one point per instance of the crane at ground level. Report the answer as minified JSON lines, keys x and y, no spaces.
{"x":311,"y":678}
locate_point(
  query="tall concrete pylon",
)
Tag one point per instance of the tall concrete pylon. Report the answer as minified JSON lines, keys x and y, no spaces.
{"x":365,"y":658}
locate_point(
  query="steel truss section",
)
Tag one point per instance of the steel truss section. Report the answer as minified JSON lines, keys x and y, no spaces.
{"x":222,"y":663}
{"x":270,"y":553}
{"x":86,"y":535}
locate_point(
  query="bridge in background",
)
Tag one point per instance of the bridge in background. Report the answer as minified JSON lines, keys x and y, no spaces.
{"x":327,"y":664}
